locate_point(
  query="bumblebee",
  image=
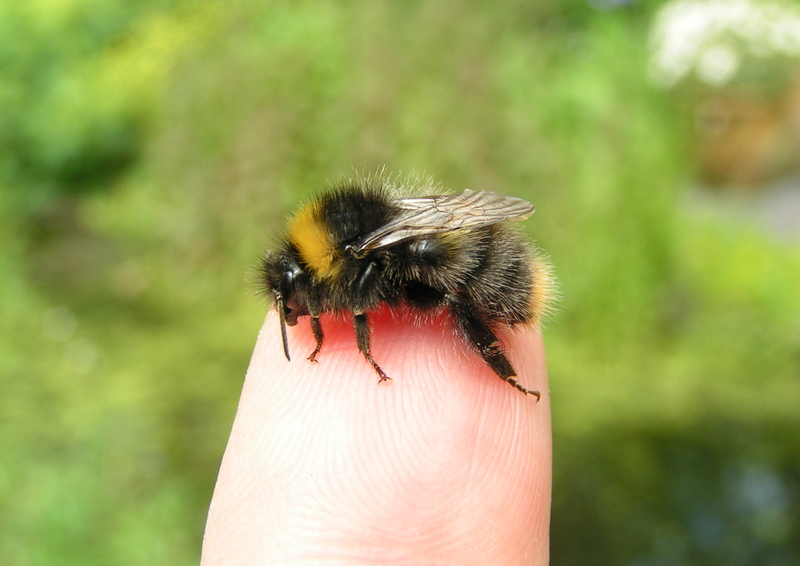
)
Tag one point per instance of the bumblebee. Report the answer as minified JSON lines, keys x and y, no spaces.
{"x":366,"y":242}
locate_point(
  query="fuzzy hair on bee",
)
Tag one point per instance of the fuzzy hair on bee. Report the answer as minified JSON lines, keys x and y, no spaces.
{"x":372,"y":241}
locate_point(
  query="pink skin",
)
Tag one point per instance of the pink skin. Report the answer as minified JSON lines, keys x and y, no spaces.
{"x":444,"y":464}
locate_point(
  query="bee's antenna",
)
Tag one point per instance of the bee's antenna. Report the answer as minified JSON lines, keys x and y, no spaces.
{"x":282,"y":316}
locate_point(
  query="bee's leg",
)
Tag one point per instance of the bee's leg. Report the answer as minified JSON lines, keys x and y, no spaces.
{"x":314,"y":309}
{"x":362,"y":338}
{"x":316,"y":330}
{"x":481,"y":336}
{"x":360,"y":322}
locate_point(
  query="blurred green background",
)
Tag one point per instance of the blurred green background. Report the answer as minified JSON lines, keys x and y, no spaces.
{"x":150,"y":150}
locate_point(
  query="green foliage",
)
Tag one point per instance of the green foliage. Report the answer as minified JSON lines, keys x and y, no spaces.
{"x":128,"y":317}
{"x":80,"y":79}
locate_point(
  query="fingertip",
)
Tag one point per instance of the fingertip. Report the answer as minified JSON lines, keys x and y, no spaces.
{"x":445,"y":448}
{"x":427,"y":361}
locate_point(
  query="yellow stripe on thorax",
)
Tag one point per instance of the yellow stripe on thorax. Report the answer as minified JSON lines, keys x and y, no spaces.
{"x":308,"y":233}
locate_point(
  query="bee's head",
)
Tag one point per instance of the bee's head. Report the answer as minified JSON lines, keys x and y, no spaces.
{"x":281,"y":276}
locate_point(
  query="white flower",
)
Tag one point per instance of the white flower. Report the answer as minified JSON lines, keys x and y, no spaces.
{"x":710,"y":38}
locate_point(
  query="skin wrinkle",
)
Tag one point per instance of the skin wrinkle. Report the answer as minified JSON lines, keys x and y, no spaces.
{"x":446,"y":464}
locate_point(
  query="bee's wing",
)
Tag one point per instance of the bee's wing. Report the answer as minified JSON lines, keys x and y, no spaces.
{"x":426,"y":216}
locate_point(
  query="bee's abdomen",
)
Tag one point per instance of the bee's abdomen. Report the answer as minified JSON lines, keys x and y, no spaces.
{"x":505,"y":281}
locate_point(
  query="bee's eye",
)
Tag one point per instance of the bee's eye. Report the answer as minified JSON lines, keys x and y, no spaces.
{"x":287,"y":283}
{"x":283,"y":262}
